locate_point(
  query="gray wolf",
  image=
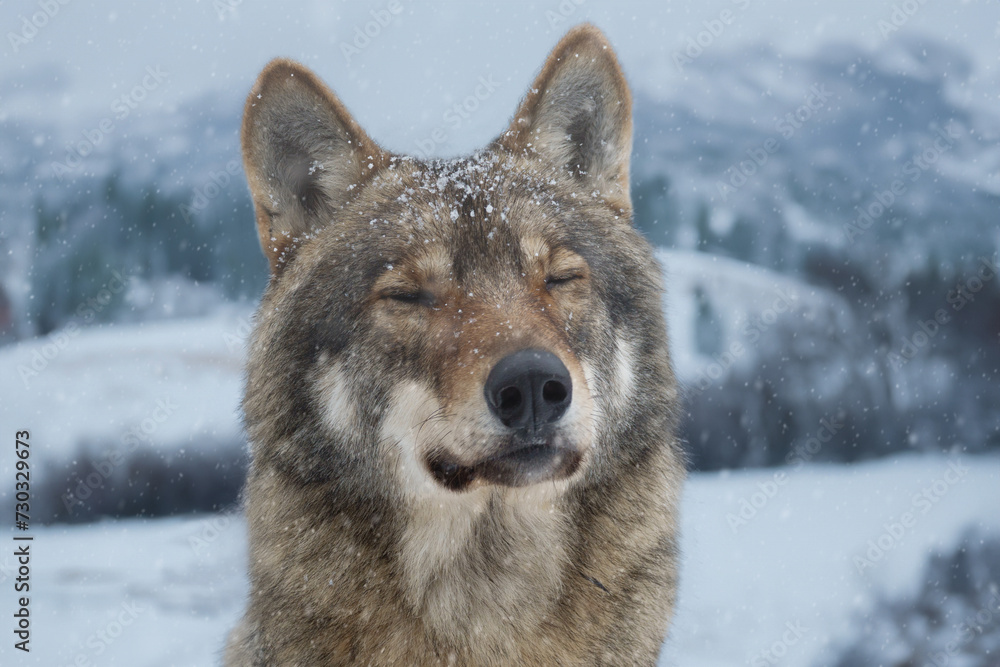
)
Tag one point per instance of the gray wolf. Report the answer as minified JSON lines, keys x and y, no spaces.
{"x":459,"y":398}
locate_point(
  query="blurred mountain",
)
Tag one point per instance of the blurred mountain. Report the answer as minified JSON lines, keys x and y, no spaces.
{"x":865,"y":181}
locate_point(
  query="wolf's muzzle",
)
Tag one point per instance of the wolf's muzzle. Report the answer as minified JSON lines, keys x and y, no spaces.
{"x":528,"y":391}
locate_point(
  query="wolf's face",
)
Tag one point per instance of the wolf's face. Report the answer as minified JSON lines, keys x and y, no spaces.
{"x":474,"y":288}
{"x":446,"y":326}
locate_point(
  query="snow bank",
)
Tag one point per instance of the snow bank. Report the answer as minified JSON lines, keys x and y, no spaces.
{"x":816,"y":547}
{"x":130,"y":419}
{"x":785,"y":581}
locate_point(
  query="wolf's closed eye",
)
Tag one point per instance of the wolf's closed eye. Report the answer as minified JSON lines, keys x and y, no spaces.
{"x":412,"y":297}
{"x":561,"y":279}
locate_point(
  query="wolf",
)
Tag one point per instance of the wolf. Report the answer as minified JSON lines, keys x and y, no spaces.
{"x":459,"y":398}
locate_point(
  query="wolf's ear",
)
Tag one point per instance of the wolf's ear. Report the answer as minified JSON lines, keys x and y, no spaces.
{"x":303,"y":154}
{"x":577,"y":114}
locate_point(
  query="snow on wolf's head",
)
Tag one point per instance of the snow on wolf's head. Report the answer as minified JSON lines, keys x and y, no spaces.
{"x":459,"y":398}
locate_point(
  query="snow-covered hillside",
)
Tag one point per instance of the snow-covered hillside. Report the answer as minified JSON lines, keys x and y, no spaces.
{"x":779,"y":586}
{"x":130,"y":420}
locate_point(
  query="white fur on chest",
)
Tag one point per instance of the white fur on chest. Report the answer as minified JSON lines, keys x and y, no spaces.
{"x":485,"y":561}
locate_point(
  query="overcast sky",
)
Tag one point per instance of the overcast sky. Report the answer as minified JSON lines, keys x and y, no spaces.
{"x":424,"y":58}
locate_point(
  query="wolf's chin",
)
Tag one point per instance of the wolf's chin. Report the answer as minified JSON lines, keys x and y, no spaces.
{"x":522,"y":463}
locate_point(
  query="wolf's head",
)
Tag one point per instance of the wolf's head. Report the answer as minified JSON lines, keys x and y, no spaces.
{"x":436,"y":327}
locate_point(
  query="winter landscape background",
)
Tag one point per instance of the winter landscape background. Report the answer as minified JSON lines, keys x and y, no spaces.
{"x":823,"y":181}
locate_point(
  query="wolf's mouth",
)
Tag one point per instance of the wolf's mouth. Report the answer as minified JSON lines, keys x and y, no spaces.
{"x":522,"y":464}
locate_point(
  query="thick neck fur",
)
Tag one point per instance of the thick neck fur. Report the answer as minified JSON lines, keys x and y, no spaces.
{"x":501,"y":577}
{"x":469,"y":579}
{"x":488,"y":564}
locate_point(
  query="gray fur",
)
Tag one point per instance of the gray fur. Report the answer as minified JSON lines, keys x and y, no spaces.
{"x":357,"y":556}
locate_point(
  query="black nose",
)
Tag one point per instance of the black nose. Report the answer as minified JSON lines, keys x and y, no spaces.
{"x":529,"y":389}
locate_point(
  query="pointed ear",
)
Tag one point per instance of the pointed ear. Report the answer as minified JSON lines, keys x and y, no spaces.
{"x":577,"y":114}
{"x":303,"y":154}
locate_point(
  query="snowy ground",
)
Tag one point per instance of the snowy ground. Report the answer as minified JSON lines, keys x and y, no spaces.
{"x":786,"y":582}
